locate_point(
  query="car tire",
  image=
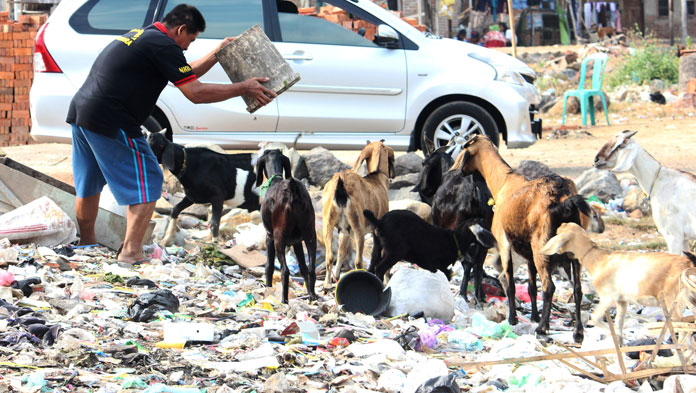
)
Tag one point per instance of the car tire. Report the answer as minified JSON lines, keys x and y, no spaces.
{"x":152,"y":125}
{"x":443,"y":126}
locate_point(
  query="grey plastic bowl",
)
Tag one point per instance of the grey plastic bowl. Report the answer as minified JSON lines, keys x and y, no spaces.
{"x":362,"y":291}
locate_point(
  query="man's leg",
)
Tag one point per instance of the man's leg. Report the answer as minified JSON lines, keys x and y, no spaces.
{"x":137,"y":218}
{"x":86,"y":210}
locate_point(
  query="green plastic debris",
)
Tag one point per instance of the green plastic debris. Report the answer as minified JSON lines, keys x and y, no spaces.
{"x":247,"y":301}
{"x":140,"y":347}
{"x":525,"y":376}
{"x":113,"y":278}
{"x":133,"y":383}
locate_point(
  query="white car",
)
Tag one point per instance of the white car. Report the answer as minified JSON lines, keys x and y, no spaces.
{"x":366,"y":74}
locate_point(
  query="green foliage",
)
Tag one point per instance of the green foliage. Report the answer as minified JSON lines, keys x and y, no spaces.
{"x":651,"y":60}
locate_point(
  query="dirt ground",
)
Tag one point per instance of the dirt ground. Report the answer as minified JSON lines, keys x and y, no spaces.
{"x":667,"y":132}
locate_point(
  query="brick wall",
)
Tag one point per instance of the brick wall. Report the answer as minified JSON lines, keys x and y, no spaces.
{"x":660,"y":24}
{"x":16,"y":75}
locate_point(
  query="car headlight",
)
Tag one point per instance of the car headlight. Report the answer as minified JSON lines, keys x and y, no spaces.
{"x":506,"y":75}
{"x":503,"y":73}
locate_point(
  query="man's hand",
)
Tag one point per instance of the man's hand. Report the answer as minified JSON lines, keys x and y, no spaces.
{"x":253,"y":88}
{"x":224,"y":42}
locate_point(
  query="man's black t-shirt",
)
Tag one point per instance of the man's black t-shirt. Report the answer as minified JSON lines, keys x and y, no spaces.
{"x":126,"y":79}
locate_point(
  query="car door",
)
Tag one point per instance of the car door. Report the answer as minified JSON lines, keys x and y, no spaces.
{"x":348,"y":83}
{"x":224,"y":18}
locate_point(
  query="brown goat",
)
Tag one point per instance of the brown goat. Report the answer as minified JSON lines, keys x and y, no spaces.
{"x":288,"y":217}
{"x":526,"y":215}
{"x":620,"y":277}
{"x":345,"y":197}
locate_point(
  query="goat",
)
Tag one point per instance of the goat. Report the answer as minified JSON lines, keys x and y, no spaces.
{"x":670,"y":191}
{"x":344,"y":198}
{"x":458,"y":201}
{"x":526,"y":215}
{"x":620,"y":277}
{"x":435,"y":166}
{"x":207,"y":177}
{"x":287,"y":214}
{"x":403,"y":235}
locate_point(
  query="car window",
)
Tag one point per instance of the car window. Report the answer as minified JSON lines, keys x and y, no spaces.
{"x":331,"y":26}
{"x":112,"y":16}
{"x":225,"y":18}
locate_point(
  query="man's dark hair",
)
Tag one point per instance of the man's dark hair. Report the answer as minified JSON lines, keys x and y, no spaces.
{"x":185,"y":14}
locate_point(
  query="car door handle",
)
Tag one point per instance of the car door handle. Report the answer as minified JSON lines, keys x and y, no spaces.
{"x":296,"y":56}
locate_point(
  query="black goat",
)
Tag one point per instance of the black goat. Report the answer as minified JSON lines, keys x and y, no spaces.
{"x":458,"y":201}
{"x":207,"y":177}
{"x":434,"y":168}
{"x":402,"y":235}
{"x":288,"y":216}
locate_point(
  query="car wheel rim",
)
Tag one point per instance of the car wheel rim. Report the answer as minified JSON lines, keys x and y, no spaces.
{"x":455,"y":130}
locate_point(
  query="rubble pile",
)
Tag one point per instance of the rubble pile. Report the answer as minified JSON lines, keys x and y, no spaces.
{"x":560,"y":71}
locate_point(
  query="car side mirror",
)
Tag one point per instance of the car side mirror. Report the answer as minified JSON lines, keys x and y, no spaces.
{"x":387,"y":37}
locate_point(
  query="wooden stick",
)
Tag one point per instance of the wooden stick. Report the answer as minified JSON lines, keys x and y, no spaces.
{"x":668,"y":322}
{"x":651,"y":372}
{"x":576,"y":368}
{"x":588,"y":361}
{"x":461,"y":362}
{"x":617,"y":345}
{"x":511,"y":18}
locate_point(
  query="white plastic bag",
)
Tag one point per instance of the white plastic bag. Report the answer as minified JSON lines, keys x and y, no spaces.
{"x":419,"y":290}
{"x":40,"y":221}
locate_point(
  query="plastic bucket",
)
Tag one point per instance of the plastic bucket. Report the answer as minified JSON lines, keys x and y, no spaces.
{"x":362,"y":291}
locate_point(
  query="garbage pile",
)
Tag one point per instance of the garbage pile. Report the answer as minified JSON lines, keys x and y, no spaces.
{"x":192,"y":320}
{"x":198,"y":318}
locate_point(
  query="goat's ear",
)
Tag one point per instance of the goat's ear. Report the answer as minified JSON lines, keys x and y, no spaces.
{"x":168,"y":157}
{"x":286,"y":167}
{"x":555,"y":244}
{"x":260,"y":166}
{"x":629,"y":133}
{"x":362,"y":157}
{"x":392,"y":170}
{"x":483,"y":236}
{"x":432,"y":178}
{"x":462,"y":158}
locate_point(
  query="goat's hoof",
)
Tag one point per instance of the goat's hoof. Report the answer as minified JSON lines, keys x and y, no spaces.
{"x":578,"y":337}
{"x":313,"y":297}
{"x":541,"y":331}
{"x":535,"y":318}
{"x":512,"y":321}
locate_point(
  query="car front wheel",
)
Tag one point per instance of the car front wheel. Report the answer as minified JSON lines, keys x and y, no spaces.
{"x":453,"y":123}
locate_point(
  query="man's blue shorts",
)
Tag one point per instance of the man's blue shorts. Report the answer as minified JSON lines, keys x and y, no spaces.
{"x":126,"y":164}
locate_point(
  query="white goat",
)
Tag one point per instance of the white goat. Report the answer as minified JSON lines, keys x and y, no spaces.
{"x":671,"y":191}
{"x":622,"y":277}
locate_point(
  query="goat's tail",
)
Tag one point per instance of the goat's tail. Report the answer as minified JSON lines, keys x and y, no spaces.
{"x":691,"y":257}
{"x":371,"y":218}
{"x":341,"y":194}
{"x":569,"y":211}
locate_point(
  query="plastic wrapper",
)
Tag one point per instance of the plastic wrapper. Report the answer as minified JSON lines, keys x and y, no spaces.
{"x":40,"y":221}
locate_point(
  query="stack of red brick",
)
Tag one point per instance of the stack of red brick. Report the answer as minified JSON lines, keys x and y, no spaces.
{"x":16,"y":74}
{"x":341,"y":17}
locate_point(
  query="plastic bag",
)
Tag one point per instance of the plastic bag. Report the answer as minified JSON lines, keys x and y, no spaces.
{"x":525,"y":376}
{"x":147,"y":305}
{"x":428,"y":335}
{"x":482,"y":327}
{"x":416,"y":291}
{"x":251,"y":235}
{"x":446,"y":384}
{"x":40,"y":221}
